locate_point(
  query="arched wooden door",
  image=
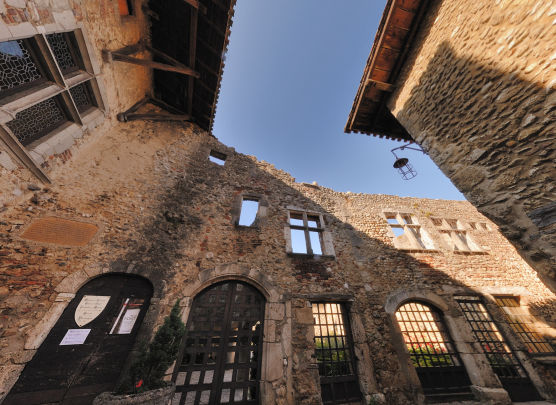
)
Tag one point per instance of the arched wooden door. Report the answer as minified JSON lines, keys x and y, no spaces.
{"x":220,"y":360}
{"x":84,"y":352}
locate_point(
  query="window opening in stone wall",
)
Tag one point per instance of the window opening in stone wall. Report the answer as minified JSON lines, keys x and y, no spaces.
{"x":523,"y":324}
{"x":454,"y":235}
{"x":36,"y":121}
{"x":82,"y":97}
{"x":408,"y":233}
{"x":249,"y":209}
{"x":306,"y":233}
{"x":500,"y":356}
{"x":19,"y":67}
{"x":217,"y":157}
{"x":126,"y":7}
{"x":334,"y":353}
{"x":431,"y":349}
{"x":64,"y":50}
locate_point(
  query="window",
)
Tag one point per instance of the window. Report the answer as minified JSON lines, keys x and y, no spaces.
{"x":49,"y":83}
{"x":454,"y":235}
{"x":217,"y":157}
{"x":431,"y":349}
{"x":500,"y":356}
{"x":306,"y":232}
{"x":407,"y":231}
{"x":523,"y":324}
{"x":334,"y":352}
{"x":249,"y":209}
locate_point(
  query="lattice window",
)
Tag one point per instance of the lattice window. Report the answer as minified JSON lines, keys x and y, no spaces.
{"x":63,"y":52}
{"x":36,"y":121}
{"x":334,"y":352}
{"x":431,"y":349}
{"x":498,"y":353}
{"x":523,"y":324}
{"x":82,"y":97}
{"x":18,"y":66}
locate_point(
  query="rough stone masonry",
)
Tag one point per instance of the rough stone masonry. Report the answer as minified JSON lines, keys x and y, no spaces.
{"x":165,"y":212}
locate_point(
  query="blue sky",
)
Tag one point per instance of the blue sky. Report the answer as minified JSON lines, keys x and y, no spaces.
{"x":292,"y":71}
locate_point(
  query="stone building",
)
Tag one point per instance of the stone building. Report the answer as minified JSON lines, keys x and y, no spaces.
{"x":108,"y":219}
{"x":473,"y":83}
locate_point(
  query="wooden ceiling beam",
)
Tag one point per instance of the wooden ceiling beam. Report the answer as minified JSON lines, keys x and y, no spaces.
{"x":197,"y":5}
{"x":193,"y":21}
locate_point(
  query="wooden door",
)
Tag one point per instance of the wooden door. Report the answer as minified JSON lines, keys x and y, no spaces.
{"x":85,"y":351}
{"x":220,"y":360}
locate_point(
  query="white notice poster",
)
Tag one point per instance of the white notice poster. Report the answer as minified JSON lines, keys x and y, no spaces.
{"x":75,"y":337}
{"x":128,"y":321}
{"x":89,"y":308}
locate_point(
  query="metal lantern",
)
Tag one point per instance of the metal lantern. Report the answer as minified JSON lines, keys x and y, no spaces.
{"x":402,"y":164}
{"x":404,"y":168}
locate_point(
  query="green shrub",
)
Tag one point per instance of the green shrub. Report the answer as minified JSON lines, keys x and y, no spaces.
{"x":147,"y":372}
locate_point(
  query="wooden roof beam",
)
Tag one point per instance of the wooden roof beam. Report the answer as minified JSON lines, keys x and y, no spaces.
{"x":193,"y":20}
{"x":197,"y":5}
{"x":380,"y":85}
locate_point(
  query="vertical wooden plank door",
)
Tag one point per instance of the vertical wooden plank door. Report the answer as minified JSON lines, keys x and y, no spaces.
{"x":85,"y":351}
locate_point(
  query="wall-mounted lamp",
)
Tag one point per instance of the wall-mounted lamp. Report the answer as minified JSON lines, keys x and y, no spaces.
{"x":402,"y":164}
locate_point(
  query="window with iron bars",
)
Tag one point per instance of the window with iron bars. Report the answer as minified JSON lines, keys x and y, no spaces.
{"x":47,"y":83}
{"x":523,"y":324}
{"x":334,"y":352}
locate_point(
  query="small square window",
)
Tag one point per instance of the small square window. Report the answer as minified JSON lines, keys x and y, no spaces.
{"x":126,"y":7}
{"x":249,"y":209}
{"x":217,"y":157}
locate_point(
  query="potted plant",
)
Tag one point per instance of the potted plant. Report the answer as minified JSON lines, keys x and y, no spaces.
{"x":145,"y":382}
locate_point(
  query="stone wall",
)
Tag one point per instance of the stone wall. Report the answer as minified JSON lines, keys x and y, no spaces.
{"x":165,"y":212}
{"x":477,"y":92}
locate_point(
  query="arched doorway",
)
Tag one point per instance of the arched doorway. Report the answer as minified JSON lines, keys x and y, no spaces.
{"x":85,"y":351}
{"x":220,"y":359}
{"x":431,"y":349}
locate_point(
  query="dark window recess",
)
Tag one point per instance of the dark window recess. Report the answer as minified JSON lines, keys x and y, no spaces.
{"x":523,"y":324}
{"x":501,"y":358}
{"x":36,"y":121}
{"x":82,"y":97}
{"x":249,"y":209}
{"x":18,"y":67}
{"x":431,"y":349}
{"x":220,"y":360}
{"x":126,"y":7}
{"x":63,"y":52}
{"x":334,"y":352}
{"x":217,"y":157}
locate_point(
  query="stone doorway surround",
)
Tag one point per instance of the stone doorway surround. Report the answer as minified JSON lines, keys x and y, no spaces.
{"x":276,"y":385}
{"x":485,"y":385}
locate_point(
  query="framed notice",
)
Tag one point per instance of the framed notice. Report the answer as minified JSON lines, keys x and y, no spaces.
{"x":129,"y":312}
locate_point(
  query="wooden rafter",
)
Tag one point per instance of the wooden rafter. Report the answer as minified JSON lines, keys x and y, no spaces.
{"x":194,"y":19}
{"x":123,"y":55}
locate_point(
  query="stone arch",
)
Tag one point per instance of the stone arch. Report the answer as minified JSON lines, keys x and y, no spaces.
{"x":233,"y":272}
{"x":396,"y":299}
{"x":66,"y":290}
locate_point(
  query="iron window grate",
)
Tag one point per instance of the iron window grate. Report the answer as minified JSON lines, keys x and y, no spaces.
{"x":18,"y":66}
{"x":81,"y":95}
{"x":497,"y":351}
{"x":37,"y":120}
{"x":334,"y":353}
{"x":521,"y":323}
{"x":63,"y":52}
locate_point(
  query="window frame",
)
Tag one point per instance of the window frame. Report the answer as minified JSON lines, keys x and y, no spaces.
{"x":456,"y":236}
{"x":55,"y":84}
{"x":320,"y":229}
{"x":409,"y":229}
